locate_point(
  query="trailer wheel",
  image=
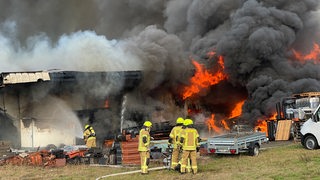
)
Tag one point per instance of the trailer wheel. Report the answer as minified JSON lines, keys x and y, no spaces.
{"x":310,"y":142}
{"x":254,"y":150}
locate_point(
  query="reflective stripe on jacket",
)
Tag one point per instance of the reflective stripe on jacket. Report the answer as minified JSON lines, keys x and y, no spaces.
{"x":144,"y":146}
{"x":175,"y":135}
{"x":190,"y":138}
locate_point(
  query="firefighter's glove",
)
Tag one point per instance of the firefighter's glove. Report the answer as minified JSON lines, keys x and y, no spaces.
{"x":198,"y":148}
{"x":181,"y":140}
{"x":144,"y":140}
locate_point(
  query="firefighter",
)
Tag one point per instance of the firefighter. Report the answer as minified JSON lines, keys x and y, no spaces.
{"x":89,"y":136}
{"x":144,"y":145}
{"x":189,"y":138}
{"x":174,"y":140}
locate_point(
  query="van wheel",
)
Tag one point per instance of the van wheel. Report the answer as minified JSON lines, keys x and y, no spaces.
{"x":310,"y":142}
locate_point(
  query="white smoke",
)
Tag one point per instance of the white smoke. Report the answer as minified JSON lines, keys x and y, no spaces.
{"x":79,"y":51}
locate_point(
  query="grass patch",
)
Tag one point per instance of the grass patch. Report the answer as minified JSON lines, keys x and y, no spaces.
{"x":290,"y":161}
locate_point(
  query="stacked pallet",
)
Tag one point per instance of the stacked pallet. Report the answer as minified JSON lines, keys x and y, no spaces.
{"x":130,"y":153}
{"x":283,"y":130}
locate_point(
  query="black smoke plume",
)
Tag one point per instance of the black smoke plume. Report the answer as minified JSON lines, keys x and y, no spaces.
{"x":255,"y":37}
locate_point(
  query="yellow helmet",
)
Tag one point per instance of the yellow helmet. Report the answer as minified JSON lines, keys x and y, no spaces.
{"x":180,"y":120}
{"x":187,"y":122}
{"x":86,"y":126}
{"x":147,"y":123}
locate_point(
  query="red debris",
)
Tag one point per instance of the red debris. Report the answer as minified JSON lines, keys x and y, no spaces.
{"x":41,"y":158}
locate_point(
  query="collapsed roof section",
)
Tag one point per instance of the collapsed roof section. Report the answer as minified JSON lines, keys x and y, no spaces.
{"x":7,"y":78}
{"x":130,"y":78}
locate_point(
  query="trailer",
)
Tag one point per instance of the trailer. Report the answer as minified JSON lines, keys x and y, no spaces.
{"x":236,"y":142}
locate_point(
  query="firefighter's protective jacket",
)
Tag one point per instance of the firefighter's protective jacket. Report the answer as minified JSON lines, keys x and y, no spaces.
{"x":89,"y":133}
{"x":189,"y":138}
{"x":144,"y":140}
{"x":175,"y":136}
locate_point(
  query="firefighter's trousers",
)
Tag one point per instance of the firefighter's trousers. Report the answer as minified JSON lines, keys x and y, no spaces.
{"x":192,"y":154}
{"x":91,"y":142}
{"x":144,"y":161}
{"x":175,"y":157}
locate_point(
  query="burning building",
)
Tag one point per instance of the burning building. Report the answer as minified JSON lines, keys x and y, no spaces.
{"x":212,"y":60}
{"x":59,"y":114}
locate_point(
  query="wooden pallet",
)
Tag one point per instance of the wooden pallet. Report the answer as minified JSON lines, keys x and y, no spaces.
{"x":283,"y":130}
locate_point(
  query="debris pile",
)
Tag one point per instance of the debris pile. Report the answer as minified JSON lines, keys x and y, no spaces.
{"x":54,"y":157}
{"x":41,"y":158}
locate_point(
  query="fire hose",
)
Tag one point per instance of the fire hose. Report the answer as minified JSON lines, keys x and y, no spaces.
{"x":132,"y":172}
{"x":167,"y":162}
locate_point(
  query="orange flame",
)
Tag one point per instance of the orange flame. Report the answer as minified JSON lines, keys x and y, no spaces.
{"x":203,"y":79}
{"x":273,"y":117}
{"x":313,"y":55}
{"x":224,"y":125}
{"x":261,"y":125}
{"x":221,"y":62}
{"x":211,"y":125}
{"x":237,"y":111}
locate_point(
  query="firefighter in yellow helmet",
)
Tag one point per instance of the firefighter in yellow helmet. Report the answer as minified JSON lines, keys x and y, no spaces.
{"x":174,"y":138}
{"x":144,"y":145}
{"x":89,"y":136}
{"x":189,"y":138}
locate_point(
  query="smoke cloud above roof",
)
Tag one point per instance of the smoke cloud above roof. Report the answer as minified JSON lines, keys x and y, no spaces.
{"x":158,"y":37}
